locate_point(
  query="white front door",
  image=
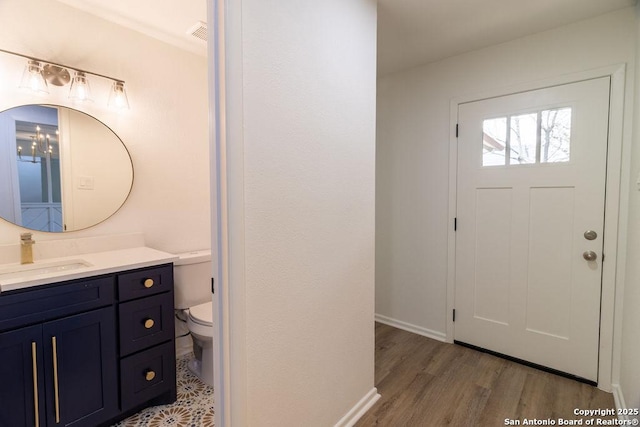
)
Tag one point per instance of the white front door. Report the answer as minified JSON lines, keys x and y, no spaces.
{"x":530,"y":217}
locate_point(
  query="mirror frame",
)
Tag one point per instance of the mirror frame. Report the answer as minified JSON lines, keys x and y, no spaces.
{"x":126,"y":150}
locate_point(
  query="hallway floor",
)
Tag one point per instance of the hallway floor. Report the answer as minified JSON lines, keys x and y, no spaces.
{"x":424,"y":382}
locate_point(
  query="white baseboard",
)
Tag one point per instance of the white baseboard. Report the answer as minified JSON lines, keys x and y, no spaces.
{"x":439,"y":336}
{"x":359,"y":409}
{"x":618,"y":399}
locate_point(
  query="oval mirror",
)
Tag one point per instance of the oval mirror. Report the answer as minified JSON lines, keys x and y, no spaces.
{"x":60,"y":169}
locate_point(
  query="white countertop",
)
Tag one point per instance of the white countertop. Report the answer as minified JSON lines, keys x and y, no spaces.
{"x":97,"y":263}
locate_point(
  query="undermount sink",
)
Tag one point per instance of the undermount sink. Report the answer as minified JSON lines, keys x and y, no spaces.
{"x":38,"y":268}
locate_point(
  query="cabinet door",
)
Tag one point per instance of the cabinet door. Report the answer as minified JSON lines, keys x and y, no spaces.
{"x":21,"y":378}
{"x":81,"y":368}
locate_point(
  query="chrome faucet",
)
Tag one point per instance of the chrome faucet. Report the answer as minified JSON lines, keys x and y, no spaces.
{"x":26,"y":248}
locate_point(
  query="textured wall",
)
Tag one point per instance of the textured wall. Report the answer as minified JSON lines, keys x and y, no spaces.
{"x":629,"y":366}
{"x":302,"y":150}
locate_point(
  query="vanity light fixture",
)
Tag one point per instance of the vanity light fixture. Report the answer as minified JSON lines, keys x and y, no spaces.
{"x":80,"y":88}
{"x":38,"y":74}
{"x":32,"y":77}
{"x":118,"y":96}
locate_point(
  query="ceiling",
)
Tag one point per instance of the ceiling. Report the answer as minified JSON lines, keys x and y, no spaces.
{"x":166,"y":20}
{"x":413,"y":32}
{"x":410,"y":32}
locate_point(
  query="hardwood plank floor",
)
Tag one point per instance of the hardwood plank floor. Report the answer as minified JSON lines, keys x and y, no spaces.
{"x":424,"y":382}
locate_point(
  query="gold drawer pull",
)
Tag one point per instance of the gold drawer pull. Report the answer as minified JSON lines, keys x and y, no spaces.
{"x":148,"y":324}
{"x":148,"y":283}
{"x":35,"y":383}
{"x":150,"y":375}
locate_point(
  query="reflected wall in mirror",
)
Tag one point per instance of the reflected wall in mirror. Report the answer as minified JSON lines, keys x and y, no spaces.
{"x":60,"y":169}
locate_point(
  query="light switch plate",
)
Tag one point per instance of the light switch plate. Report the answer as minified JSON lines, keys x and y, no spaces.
{"x":85,"y":183}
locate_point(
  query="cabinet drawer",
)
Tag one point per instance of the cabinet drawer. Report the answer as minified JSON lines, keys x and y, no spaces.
{"x":54,"y":301}
{"x":148,"y":281}
{"x":146,"y":375}
{"x":146,"y":322}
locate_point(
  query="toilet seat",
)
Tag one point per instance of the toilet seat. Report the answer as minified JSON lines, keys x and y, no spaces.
{"x":202,"y":314}
{"x":200,"y":320}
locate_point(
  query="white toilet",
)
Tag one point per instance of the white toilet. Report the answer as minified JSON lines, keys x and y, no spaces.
{"x":192,"y":288}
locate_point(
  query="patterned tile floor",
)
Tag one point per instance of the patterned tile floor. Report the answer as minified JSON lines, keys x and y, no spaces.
{"x":193,"y":408}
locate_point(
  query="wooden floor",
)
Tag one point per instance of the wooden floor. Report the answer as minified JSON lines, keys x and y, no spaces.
{"x":424,"y":382}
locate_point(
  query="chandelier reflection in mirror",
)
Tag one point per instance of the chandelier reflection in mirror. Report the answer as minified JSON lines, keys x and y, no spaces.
{"x":44,"y":141}
{"x":39,"y":74}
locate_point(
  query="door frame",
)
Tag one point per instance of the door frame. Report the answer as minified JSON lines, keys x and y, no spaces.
{"x":216,"y":91}
{"x":616,"y":209}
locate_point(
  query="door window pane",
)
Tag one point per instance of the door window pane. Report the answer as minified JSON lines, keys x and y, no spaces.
{"x":494,"y":141}
{"x":539,"y":137}
{"x":555,"y":135}
{"x":523,"y":137}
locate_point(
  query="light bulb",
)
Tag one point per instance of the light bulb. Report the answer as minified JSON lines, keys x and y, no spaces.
{"x":80,"y":88}
{"x":33,"y":79}
{"x":33,"y":82}
{"x":118,"y":96}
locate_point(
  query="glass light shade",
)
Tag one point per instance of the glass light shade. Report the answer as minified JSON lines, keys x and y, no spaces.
{"x":33,"y":79}
{"x":80,"y":88}
{"x":118,"y":96}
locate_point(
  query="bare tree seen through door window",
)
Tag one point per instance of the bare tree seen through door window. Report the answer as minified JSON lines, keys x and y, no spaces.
{"x":539,"y":137}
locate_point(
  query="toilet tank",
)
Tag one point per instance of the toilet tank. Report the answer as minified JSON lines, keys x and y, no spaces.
{"x":192,"y":274}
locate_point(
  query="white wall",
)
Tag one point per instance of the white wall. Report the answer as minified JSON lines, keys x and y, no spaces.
{"x":413,"y":150}
{"x":630,"y":360}
{"x":165,"y":130}
{"x":300,"y":157}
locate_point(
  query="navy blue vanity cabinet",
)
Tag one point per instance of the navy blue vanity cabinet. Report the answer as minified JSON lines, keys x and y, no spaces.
{"x":61,"y":369}
{"x":147,"y":337}
{"x":21,"y":384}
{"x":87,"y":352}
{"x":81,"y":368}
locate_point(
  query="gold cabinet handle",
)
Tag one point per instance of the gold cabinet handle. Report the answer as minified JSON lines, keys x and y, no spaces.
{"x":56,"y":395}
{"x":150,"y":375}
{"x":148,"y":324}
{"x":148,"y":283}
{"x":34,"y":362}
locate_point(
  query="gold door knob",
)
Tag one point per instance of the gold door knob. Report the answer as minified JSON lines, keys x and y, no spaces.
{"x":148,"y":283}
{"x":150,"y":375}
{"x":148,"y":324}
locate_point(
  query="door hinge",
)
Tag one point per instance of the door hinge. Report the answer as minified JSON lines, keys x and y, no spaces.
{"x":213,"y":291}
{"x":455,"y":224}
{"x":456,"y":130}
{"x":454,"y":314}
